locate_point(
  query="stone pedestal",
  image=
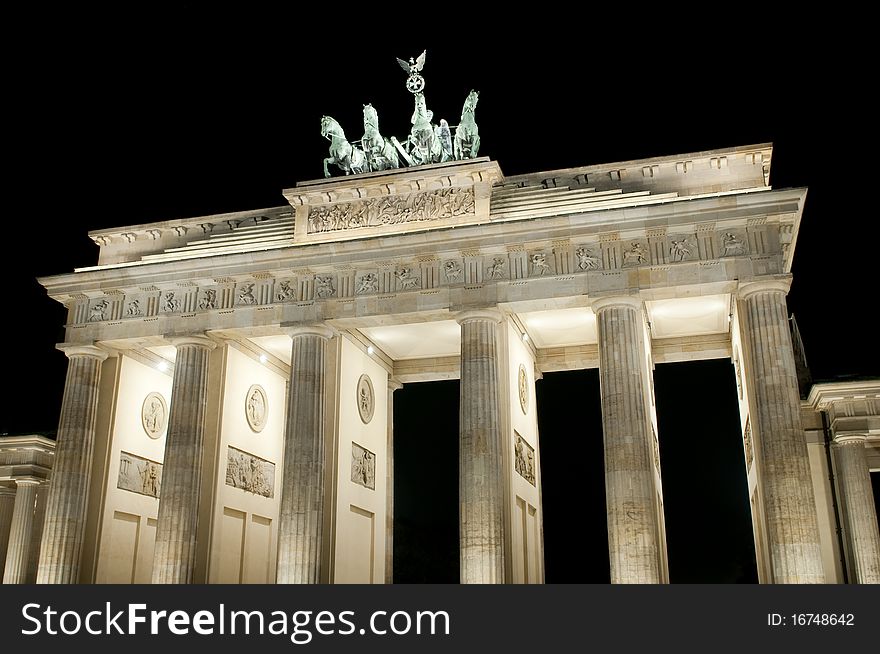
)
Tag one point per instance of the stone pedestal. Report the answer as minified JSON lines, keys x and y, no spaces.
{"x":20,"y":532}
{"x":786,"y":483}
{"x":389,"y":485}
{"x":62,"y":542}
{"x":854,"y":482}
{"x":634,"y":542}
{"x":301,"y":522}
{"x":175,"y":551}
{"x":481,"y":493}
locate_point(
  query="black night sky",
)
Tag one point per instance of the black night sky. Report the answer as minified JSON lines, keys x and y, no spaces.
{"x":131,"y":116}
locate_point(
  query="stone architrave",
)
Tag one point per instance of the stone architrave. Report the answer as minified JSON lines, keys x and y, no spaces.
{"x":61,"y":547}
{"x":854,"y":480}
{"x":175,"y":550}
{"x":481,"y":494}
{"x":778,"y":435}
{"x":301,"y":522}
{"x":634,"y":541}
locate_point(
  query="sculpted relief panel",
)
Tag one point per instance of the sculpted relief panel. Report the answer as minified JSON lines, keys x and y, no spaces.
{"x":363,"y":466}
{"x":365,"y":399}
{"x":524,"y":464}
{"x":154,"y":415}
{"x":256,"y":408}
{"x":747,"y":443}
{"x":139,"y":475}
{"x":376,"y":212}
{"x":250,"y":473}
{"x":523,"y":386}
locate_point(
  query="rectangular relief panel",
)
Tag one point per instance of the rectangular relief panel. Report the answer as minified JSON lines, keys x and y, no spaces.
{"x":250,"y":473}
{"x":363,"y":466}
{"x":232,"y":541}
{"x":139,"y":475}
{"x":525,"y":459}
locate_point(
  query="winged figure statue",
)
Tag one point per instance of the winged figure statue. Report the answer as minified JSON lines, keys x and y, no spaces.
{"x":413,"y":65}
{"x":415,"y":82}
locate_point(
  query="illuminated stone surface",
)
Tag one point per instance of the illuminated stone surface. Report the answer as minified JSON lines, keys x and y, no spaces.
{"x":367,"y":275}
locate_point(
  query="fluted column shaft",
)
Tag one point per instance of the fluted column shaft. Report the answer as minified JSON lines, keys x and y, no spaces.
{"x":61,"y":546}
{"x":37,"y":533}
{"x":7,"y":506}
{"x":18,"y":550}
{"x":481,"y":493}
{"x":634,"y":543}
{"x":389,"y":485}
{"x":854,"y":481}
{"x":300,"y":542}
{"x":175,"y":551}
{"x":786,"y":481}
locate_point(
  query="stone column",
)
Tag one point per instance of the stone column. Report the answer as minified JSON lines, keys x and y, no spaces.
{"x":481,"y":474}
{"x":7,"y":504}
{"x":301,"y":525}
{"x":37,"y":533}
{"x":389,"y":484}
{"x":854,"y":481}
{"x":784,"y":466}
{"x":634,"y":543}
{"x":18,"y":550}
{"x":65,"y":520}
{"x":175,"y":552}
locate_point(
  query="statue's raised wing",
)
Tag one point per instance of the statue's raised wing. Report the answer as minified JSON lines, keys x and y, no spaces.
{"x":420,"y":61}
{"x":404,"y":65}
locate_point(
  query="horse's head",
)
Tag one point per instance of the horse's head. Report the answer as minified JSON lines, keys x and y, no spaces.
{"x":371,"y":117}
{"x":421,"y":112}
{"x":330,"y":128}
{"x":471,"y":103}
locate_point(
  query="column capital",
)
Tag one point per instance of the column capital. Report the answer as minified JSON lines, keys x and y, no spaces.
{"x":779,"y":284}
{"x":491,"y":315}
{"x":394,"y":385}
{"x":631,"y":301}
{"x":199,"y":340}
{"x":324,"y":331}
{"x":28,"y":481}
{"x":82,"y":350}
{"x":848,"y":438}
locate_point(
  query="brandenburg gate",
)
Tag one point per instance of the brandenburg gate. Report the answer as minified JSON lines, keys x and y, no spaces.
{"x":227,"y":414}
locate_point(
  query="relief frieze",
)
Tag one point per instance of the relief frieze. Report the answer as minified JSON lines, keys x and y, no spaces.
{"x":377,"y":212}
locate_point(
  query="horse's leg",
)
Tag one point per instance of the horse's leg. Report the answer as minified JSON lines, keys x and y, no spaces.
{"x":476,"y":146}
{"x":328,"y":160}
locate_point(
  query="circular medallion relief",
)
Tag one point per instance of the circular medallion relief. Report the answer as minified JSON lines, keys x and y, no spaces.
{"x":256,"y":408}
{"x":523,"y":389}
{"x":154,"y":415}
{"x":365,"y":398}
